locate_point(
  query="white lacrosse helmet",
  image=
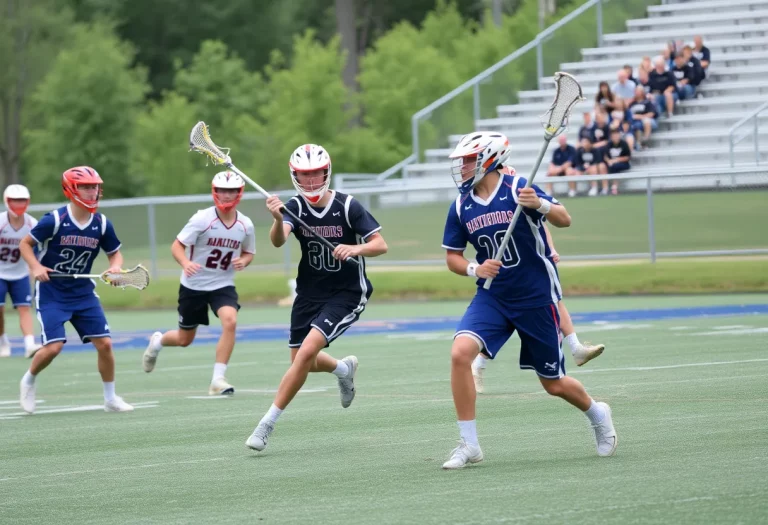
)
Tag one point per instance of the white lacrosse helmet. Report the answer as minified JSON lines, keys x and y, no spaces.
{"x":310,"y":157}
{"x":227,"y":180}
{"x":16,"y":191}
{"x":476,"y":155}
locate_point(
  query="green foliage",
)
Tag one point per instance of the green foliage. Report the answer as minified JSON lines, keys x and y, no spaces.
{"x":87,"y":106}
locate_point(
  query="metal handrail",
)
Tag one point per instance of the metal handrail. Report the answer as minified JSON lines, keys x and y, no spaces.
{"x":477,"y":79}
{"x":732,"y":141}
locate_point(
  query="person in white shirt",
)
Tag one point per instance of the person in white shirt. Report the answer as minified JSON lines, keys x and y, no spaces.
{"x":215,"y":243}
{"x":624,"y":88}
{"x":15,"y":224}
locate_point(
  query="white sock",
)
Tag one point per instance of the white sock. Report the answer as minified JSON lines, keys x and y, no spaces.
{"x":157,"y":343}
{"x":271,"y":416}
{"x":468,"y":431}
{"x":595,"y":413}
{"x":4,"y":339}
{"x":29,"y":378}
{"x":342,"y":370}
{"x":479,"y":362}
{"x":29,"y":341}
{"x":219,"y":369}
{"x":109,"y":391}
{"x":573,"y":342}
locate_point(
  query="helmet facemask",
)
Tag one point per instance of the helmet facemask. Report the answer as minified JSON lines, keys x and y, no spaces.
{"x":312,"y":184}
{"x":226,"y":198}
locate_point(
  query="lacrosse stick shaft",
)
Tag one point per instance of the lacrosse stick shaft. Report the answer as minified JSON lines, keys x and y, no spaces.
{"x":519,"y":209}
{"x":288,"y":212}
{"x":74,"y":276}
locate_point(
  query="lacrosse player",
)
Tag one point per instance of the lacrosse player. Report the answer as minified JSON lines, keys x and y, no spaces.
{"x":525,"y":289}
{"x":221,"y":240}
{"x":331,"y":293}
{"x":70,"y":238}
{"x":582,"y":352}
{"x":15,"y":224}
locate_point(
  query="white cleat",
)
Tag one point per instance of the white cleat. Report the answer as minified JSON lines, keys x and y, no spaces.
{"x":463,"y":455}
{"x":260,"y":436}
{"x":117,"y":405}
{"x":586,"y":352}
{"x":605,"y":435}
{"x":347,"y":384}
{"x":220,"y":387}
{"x":149,"y":358}
{"x":5,"y":350}
{"x":30,"y":352}
{"x":477,"y":375}
{"x":27,"y":397}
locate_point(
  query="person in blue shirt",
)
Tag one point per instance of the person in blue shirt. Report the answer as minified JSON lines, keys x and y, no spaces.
{"x":524,"y":293}
{"x":69,"y":240}
{"x":562,"y":160}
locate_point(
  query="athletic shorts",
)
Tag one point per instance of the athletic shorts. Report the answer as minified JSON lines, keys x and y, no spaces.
{"x":19,"y":290}
{"x":87,"y":317}
{"x":331,"y":316}
{"x":193,"y":304}
{"x":493,"y":324}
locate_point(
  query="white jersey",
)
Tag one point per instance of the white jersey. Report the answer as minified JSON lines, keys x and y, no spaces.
{"x":213,"y":246}
{"x":12,"y":266}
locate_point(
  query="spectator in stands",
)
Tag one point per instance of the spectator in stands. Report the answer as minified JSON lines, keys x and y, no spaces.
{"x":683,"y":78}
{"x":630,"y":73}
{"x":642,"y":80}
{"x":604,"y":100}
{"x":701,"y":52}
{"x":645,"y":65}
{"x":663,"y":88}
{"x":585,"y":131}
{"x":562,"y":160}
{"x":668,"y":55}
{"x":621,"y":120}
{"x":601,"y":131}
{"x":617,"y":156}
{"x":695,"y":64}
{"x":624,"y":89}
{"x":643,"y":117}
{"x":587,"y":161}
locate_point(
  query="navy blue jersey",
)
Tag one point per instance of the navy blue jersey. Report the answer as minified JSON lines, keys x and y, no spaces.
{"x":343,"y":221}
{"x":527,"y":278}
{"x":69,"y":247}
{"x":560,"y":156}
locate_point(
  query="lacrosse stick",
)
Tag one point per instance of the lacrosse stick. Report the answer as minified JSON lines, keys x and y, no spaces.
{"x":137,"y":277}
{"x":567,"y":94}
{"x":200,"y":141}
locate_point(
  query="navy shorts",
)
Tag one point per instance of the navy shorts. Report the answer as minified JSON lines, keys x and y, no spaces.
{"x":19,"y":290}
{"x":539,"y":329}
{"x":87,"y":317}
{"x":331,"y":316}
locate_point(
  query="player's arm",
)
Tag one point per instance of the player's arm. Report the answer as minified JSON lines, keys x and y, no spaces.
{"x":248,"y":248}
{"x":551,"y":243}
{"x":27,"y":249}
{"x":280,"y":230}
{"x":374,"y":246}
{"x":179,"y":252}
{"x":459,"y":265}
{"x":115,"y":261}
{"x":554,"y":212}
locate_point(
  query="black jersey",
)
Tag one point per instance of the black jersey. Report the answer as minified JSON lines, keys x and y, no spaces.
{"x":343,"y":221}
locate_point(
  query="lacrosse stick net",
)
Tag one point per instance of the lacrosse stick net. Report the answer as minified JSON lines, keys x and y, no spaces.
{"x":200,"y":141}
{"x":568,"y":93}
{"x":137,"y":277}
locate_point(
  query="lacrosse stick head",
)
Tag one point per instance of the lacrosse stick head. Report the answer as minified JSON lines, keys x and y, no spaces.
{"x":567,"y":94}
{"x":201,"y":142}
{"x":137,"y":277}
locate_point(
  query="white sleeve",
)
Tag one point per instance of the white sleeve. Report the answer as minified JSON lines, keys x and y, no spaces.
{"x":249,"y":244}
{"x":196,"y":225}
{"x":32,"y":222}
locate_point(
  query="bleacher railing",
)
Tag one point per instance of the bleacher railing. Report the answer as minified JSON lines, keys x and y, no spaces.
{"x":750,"y":120}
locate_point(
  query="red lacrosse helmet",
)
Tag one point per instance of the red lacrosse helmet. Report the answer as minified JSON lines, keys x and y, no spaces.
{"x":78,"y":176}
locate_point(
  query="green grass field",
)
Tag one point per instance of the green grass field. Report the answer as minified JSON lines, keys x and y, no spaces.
{"x":689,"y":397}
{"x":609,"y":225}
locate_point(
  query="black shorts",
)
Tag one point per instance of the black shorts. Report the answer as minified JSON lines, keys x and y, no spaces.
{"x":332,"y":316}
{"x":193,"y":304}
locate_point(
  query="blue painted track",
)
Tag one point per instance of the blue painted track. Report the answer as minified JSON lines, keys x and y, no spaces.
{"x":279,"y":333}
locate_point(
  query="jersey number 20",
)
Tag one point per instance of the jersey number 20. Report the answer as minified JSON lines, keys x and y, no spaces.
{"x":511,"y":258}
{"x":321,"y":258}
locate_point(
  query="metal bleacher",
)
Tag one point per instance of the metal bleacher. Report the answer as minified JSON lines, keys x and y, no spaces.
{"x":697,"y":136}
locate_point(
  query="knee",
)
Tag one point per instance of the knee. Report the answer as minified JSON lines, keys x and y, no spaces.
{"x":554,"y":387}
{"x":463,"y":352}
{"x":229,"y":323}
{"x":55,"y":348}
{"x":103,"y":346}
{"x":186,"y":337}
{"x":304,"y":359}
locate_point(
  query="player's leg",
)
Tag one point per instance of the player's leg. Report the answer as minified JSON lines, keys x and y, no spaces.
{"x":540,"y":351}
{"x":22,"y":302}
{"x":478,"y":372}
{"x":106,"y":362}
{"x":224,"y":303}
{"x":483,"y":327}
{"x":91,"y":325}
{"x":193,"y":311}
{"x":582,"y":352}
{"x":5,"y":344}
{"x":53,"y":335}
